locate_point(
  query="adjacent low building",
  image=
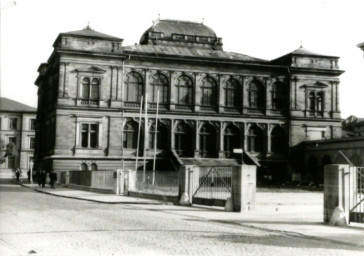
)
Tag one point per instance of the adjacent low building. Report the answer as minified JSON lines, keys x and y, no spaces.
{"x":17,"y":127}
{"x":210,"y":101}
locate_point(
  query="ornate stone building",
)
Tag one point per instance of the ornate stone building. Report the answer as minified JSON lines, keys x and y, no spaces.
{"x":210,"y":100}
{"x":17,"y":127}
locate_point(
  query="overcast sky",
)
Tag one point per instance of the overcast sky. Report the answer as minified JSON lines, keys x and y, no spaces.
{"x":264,"y":29}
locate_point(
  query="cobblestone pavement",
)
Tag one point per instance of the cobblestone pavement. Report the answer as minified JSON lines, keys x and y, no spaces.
{"x":38,"y":224}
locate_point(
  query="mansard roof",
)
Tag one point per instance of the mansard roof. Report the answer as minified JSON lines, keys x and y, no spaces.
{"x":14,"y":106}
{"x":304,"y":52}
{"x":170,"y":27}
{"x":89,"y":32}
{"x":180,"y":51}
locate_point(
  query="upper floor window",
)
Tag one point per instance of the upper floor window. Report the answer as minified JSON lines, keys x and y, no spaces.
{"x":32,"y":124}
{"x":184,"y":90}
{"x":13,"y":123}
{"x":232,"y":93}
{"x":133,"y":87}
{"x":159,"y":83}
{"x":31,"y":142}
{"x":89,"y":135}
{"x":316,"y":101}
{"x":256,"y":94}
{"x":278,"y":96}
{"x":90,"y":88}
{"x":12,"y":140}
{"x":209,"y":92}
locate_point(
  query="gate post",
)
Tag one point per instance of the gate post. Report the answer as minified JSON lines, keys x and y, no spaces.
{"x":185,"y":184}
{"x":243,"y":187}
{"x":336,"y":190}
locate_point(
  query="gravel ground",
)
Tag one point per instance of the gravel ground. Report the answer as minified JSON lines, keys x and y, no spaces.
{"x":38,"y":224}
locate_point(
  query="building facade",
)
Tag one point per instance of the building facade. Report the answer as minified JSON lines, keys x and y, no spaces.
{"x":209,"y":101}
{"x":17,"y":127}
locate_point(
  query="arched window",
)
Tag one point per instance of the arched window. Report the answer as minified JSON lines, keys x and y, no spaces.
{"x":93,"y":167}
{"x":85,"y":88}
{"x":278,"y":96}
{"x":161,"y":136}
{"x":183,"y":140}
{"x":208,"y":141}
{"x":256,"y":95}
{"x":159,"y":83}
{"x":319,"y":101}
{"x":209,"y":92}
{"x":311,"y":101}
{"x":279,"y":143}
{"x":231,"y":140}
{"x":232,"y":93}
{"x":84,"y":167}
{"x":130,"y":137}
{"x":133,"y":87}
{"x":255,"y":139}
{"x":95,"y":89}
{"x":184,"y":90}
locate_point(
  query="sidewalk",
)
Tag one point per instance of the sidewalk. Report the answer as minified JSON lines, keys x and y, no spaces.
{"x":298,"y":214}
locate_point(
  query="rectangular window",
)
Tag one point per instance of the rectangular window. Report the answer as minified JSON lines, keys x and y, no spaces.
{"x":32,"y":124}
{"x":11,"y":162}
{"x":89,"y":135}
{"x":31,"y":142}
{"x":13,"y":123}
{"x":12,"y":140}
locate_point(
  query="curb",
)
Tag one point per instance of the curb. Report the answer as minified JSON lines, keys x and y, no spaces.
{"x":94,"y":200}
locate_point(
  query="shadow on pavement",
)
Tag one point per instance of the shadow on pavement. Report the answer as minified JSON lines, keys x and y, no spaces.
{"x":280,"y":240}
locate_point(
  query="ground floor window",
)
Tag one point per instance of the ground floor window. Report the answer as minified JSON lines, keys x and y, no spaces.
{"x":184,"y":140}
{"x":11,"y":162}
{"x":89,"y":135}
{"x":208,"y":141}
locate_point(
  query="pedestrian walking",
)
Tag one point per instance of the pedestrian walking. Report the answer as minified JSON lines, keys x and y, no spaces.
{"x":39,"y":178}
{"x":52,"y":178}
{"x":43,"y":178}
{"x":28,"y":174}
{"x":17,"y":174}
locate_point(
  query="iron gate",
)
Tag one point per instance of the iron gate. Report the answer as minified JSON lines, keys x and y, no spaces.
{"x":212,"y":185}
{"x":356,"y":202}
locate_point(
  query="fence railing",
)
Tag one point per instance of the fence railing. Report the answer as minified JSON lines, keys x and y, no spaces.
{"x":165,"y":182}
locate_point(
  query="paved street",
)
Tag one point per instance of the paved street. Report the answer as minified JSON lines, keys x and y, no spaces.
{"x":33,"y":223}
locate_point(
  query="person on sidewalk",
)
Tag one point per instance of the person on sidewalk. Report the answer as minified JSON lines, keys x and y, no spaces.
{"x":53,"y":178}
{"x":17,"y":174}
{"x":43,"y":178}
{"x":28,"y":174}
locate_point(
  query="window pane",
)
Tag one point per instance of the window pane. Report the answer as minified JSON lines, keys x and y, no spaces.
{"x":86,"y":88}
{"x":95,"y":89}
{"x":13,"y":123}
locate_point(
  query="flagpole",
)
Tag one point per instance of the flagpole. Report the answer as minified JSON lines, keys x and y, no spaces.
{"x":155,"y":137}
{"x":140,"y":120}
{"x":145,"y":134}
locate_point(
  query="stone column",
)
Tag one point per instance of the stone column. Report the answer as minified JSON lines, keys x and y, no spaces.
{"x":243,"y":188}
{"x":337,"y":190}
{"x":172,"y":134}
{"x":221,"y":140}
{"x":186,"y":184}
{"x":197,"y":95}
{"x":197,"y":140}
{"x":220,"y":95}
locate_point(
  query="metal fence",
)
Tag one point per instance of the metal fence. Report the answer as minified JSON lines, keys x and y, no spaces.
{"x":164,"y":182}
{"x":214,"y":183}
{"x":357,"y":195}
